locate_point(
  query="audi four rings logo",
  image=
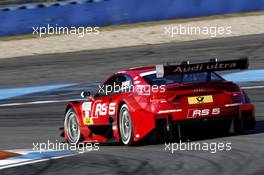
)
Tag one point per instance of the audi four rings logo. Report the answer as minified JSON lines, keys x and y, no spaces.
{"x":199,"y":89}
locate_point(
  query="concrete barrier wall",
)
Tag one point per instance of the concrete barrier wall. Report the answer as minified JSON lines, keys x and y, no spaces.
{"x":21,"y":20}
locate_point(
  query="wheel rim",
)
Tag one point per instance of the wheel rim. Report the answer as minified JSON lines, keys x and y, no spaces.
{"x":125,"y":125}
{"x":72,"y":127}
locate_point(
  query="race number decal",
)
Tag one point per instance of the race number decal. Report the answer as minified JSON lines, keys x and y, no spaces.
{"x":87,"y":109}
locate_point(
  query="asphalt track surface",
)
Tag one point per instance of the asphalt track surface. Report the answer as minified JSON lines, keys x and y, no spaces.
{"x":20,"y":126}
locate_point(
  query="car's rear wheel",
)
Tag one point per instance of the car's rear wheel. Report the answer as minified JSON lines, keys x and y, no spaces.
{"x":126,"y":126}
{"x":71,"y":126}
{"x":238,"y":125}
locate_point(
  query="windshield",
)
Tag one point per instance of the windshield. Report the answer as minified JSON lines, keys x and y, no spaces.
{"x":183,"y":78}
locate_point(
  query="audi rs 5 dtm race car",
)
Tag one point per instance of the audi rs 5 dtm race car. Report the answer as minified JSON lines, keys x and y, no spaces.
{"x":159,"y":100}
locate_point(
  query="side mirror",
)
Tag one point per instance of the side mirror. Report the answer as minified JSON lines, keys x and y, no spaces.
{"x":85,"y":94}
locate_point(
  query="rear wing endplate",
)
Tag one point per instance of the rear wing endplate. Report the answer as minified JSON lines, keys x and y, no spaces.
{"x":211,"y":66}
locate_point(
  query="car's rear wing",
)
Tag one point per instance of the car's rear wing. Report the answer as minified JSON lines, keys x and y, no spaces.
{"x":212,"y":65}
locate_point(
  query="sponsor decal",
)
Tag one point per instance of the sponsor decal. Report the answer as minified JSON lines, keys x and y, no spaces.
{"x":105,"y":108}
{"x":241,"y":64}
{"x":200,"y":99}
{"x":204,"y":67}
{"x":94,"y":109}
{"x":195,"y":113}
{"x":169,"y":111}
{"x":88,"y":120}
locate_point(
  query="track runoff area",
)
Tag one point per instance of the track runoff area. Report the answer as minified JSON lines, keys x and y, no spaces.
{"x":35,"y":116}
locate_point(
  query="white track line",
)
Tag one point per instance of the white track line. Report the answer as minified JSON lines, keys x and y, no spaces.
{"x":252,"y":87}
{"x":32,"y":161}
{"x":62,"y":101}
{"x":38,"y":102}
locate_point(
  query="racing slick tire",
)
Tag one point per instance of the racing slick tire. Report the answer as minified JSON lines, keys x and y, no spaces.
{"x":72,"y":129}
{"x":126,"y":129}
{"x":237,"y":126}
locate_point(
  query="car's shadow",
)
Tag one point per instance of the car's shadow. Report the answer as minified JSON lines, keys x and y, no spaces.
{"x":206,"y":134}
{"x":259,"y":128}
{"x":196,"y":136}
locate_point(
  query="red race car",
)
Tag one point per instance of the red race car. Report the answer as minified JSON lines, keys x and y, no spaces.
{"x":159,"y":100}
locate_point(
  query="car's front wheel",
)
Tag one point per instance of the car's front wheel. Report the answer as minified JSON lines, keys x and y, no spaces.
{"x":126,"y":129}
{"x":72,"y":129}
